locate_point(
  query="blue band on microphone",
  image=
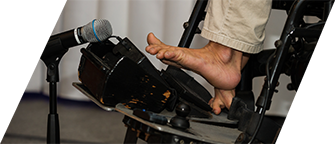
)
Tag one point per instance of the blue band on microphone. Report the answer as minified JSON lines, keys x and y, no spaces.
{"x":95,"y":34}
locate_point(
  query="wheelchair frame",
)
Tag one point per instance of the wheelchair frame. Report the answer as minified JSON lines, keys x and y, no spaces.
{"x":295,"y":46}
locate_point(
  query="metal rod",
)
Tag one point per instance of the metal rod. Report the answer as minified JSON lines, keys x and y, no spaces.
{"x":53,"y":97}
{"x":193,"y":22}
{"x":53,"y":133}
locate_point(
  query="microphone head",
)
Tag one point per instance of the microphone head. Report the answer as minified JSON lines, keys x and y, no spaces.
{"x":96,"y":31}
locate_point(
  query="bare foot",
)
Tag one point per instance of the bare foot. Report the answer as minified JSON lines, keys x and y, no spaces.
{"x":219,"y":65}
{"x":222,"y":99}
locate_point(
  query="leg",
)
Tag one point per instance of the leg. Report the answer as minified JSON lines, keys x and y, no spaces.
{"x":231,"y":27}
{"x":130,"y":137}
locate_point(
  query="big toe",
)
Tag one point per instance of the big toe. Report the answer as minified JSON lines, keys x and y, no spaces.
{"x":153,"y":40}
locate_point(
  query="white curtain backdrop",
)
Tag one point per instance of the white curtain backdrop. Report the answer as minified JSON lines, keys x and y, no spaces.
{"x":135,"y":19}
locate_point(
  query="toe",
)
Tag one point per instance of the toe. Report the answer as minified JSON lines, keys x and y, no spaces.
{"x":153,"y":40}
{"x":217,"y":105}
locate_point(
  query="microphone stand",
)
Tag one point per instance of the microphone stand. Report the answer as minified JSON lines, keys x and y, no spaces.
{"x":51,"y":60}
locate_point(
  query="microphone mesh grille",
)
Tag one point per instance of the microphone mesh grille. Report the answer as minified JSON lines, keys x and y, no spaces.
{"x":103,"y":30}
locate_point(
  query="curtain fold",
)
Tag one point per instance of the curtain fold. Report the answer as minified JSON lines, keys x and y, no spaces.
{"x":75,"y":14}
{"x":135,"y":19}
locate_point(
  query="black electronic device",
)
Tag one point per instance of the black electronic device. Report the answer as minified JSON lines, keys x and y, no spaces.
{"x":121,"y":73}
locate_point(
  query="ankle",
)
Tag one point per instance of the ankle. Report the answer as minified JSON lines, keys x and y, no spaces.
{"x":226,"y":54}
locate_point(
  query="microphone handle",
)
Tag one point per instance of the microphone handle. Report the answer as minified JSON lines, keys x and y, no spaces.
{"x":33,"y":49}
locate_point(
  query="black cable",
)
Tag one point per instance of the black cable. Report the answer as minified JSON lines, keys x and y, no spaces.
{"x":117,"y":37}
{"x":314,"y":25}
{"x":266,"y":99}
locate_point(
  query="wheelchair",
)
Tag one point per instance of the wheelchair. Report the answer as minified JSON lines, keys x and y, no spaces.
{"x":246,"y":121}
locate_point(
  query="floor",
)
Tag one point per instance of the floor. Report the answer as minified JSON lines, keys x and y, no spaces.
{"x":23,"y":120}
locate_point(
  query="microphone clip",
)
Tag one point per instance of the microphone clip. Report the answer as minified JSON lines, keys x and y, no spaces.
{"x":51,"y":58}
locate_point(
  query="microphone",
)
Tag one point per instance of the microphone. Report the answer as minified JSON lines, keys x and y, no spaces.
{"x":96,"y":31}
